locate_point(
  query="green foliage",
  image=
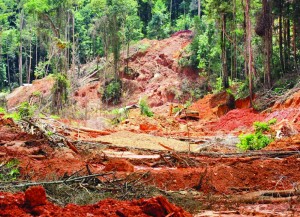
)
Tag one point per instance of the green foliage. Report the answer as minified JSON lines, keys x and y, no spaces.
{"x":257,"y":140}
{"x":40,"y":69}
{"x":263,"y":127}
{"x":184,"y":22}
{"x":14,"y":115}
{"x":144,"y":107}
{"x":49,"y":133}
{"x":206,"y":47}
{"x":159,"y":25}
{"x":112,"y":92}
{"x":55,"y":117}
{"x":9,"y":171}
{"x":120,"y":115}
{"x":2,"y":110}
{"x":218,"y":85}
{"x":60,"y":92}
{"x":253,"y":141}
{"x":191,"y":89}
{"x":26,"y":110}
{"x":243,"y":90}
{"x":142,"y":47}
{"x":37,"y":93}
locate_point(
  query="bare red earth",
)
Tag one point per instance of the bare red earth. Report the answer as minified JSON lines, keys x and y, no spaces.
{"x":34,"y":203}
{"x":39,"y":88}
{"x":237,"y":119}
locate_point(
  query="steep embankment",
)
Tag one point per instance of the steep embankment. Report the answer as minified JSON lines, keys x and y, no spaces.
{"x":153,"y":71}
{"x":38,"y":90}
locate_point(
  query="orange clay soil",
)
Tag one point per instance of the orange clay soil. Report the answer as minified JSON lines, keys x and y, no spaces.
{"x":35,"y":203}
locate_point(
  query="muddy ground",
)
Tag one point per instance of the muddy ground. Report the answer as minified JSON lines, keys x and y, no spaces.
{"x":194,"y":163}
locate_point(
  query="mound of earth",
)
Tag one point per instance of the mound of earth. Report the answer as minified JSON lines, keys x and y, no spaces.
{"x":153,"y":71}
{"x":39,"y":89}
{"x":35,"y":203}
{"x":214,"y":105}
{"x":293,"y":101}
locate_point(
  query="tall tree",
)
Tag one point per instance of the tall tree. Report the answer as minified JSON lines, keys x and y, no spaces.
{"x":248,"y":49}
{"x":21,"y":49}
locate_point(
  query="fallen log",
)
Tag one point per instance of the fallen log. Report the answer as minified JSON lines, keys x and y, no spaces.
{"x":270,"y":154}
{"x":268,"y":196}
{"x":76,"y":179}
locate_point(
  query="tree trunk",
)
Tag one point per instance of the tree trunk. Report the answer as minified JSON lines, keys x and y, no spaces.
{"x":267,"y":42}
{"x":234,"y":67}
{"x":20,"y":51}
{"x":30,"y":58}
{"x":171,"y":5}
{"x":288,"y":35}
{"x":73,"y":44}
{"x":67,"y":39}
{"x":224,"y":58}
{"x":282,"y":63}
{"x":199,"y":8}
{"x":249,"y":49}
{"x":8,"y":72}
{"x":296,"y":31}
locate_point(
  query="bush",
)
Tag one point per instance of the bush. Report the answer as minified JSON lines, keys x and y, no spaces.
{"x":145,"y":109}
{"x":26,"y":110}
{"x":253,"y":141}
{"x":60,"y":92}
{"x":10,"y":170}
{"x":257,"y":140}
{"x":112,"y":92}
{"x":2,"y":110}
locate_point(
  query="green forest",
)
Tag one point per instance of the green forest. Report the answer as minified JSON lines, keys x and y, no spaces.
{"x":256,"y":42}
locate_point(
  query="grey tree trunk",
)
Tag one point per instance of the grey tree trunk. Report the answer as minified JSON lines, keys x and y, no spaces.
{"x":20,"y":51}
{"x":249,"y":49}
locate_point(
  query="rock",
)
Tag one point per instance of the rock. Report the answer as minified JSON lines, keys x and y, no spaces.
{"x":148,"y":127}
{"x":35,"y":196}
{"x":120,"y":165}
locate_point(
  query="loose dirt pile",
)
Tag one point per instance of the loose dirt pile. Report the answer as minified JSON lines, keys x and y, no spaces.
{"x":213,"y":106}
{"x":241,"y":119}
{"x":153,"y":71}
{"x":35,"y":203}
{"x":39,"y":89}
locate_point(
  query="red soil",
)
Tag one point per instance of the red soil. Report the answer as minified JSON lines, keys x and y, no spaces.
{"x":119,"y":165}
{"x":154,"y":72}
{"x":34,"y":203}
{"x":237,"y":119}
{"x":213,"y":106}
{"x":87,"y":94}
{"x":225,"y":175}
{"x":24,"y":93}
{"x":292,"y":102}
{"x":289,"y":143}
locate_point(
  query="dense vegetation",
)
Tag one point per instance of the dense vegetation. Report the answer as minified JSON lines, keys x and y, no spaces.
{"x":250,"y":40}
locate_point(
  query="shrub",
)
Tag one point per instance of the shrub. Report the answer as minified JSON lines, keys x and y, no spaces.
{"x":26,"y":110}
{"x":10,"y":170}
{"x":257,"y":140}
{"x":263,"y":126}
{"x":145,"y":109}
{"x":112,"y":92}
{"x":15,"y":116}
{"x":60,"y":92}
{"x":253,"y":141}
{"x":120,"y":115}
{"x":2,"y":110}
